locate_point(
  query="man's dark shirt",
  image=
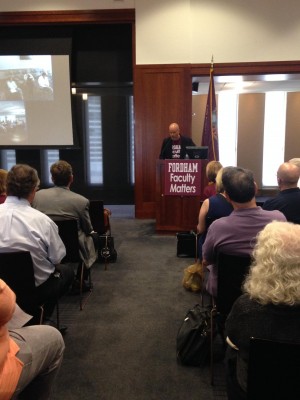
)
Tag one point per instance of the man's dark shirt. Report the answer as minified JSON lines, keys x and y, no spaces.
{"x":288,"y":202}
{"x":166,"y":148}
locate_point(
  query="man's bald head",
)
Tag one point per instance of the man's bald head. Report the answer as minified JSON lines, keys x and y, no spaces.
{"x":288,"y":175}
{"x":295,"y":161}
{"x":174,"y":131}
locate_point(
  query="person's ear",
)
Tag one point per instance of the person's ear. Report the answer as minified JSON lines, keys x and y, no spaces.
{"x":256,"y":188}
{"x":31,"y":195}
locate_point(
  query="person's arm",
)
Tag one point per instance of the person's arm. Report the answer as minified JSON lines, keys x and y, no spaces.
{"x":192,"y":143}
{"x":164,"y":145}
{"x":238,"y":326}
{"x":56,"y":248}
{"x":208,"y":249}
{"x":201,"y":227}
{"x":85,"y":219}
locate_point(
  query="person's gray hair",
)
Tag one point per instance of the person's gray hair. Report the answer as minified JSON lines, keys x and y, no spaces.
{"x":275,"y":273}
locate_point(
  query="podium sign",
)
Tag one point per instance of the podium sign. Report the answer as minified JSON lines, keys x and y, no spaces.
{"x":182,"y":178}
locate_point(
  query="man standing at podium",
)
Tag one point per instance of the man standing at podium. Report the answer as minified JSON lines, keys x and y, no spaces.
{"x":174,"y":147}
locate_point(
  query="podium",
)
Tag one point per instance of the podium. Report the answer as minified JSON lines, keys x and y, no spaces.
{"x":175,"y":213}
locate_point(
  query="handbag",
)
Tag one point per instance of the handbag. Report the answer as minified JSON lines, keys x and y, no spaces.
{"x":106,"y":249}
{"x":193,"y":337}
{"x":186,"y":244}
{"x":193,"y":277}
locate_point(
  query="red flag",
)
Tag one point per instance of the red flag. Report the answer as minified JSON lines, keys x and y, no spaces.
{"x":210,"y":128}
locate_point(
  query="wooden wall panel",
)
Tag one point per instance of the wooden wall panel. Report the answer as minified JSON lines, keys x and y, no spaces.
{"x":292,"y":139}
{"x":162,"y":95}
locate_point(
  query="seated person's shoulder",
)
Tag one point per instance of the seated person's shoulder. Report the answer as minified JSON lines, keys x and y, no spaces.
{"x":78,"y":197}
{"x":268,"y":204}
{"x":220,"y":223}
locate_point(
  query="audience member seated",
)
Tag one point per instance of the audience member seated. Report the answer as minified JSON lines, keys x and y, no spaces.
{"x":212,"y":168}
{"x":215,"y":207}
{"x":236,"y":233}
{"x":60,"y":201}
{"x":288,"y":199}
{"x":44,"y":83}
{"x":3,"y":176}
{"x":30,"y":357}
{"x":270,"y":307}
{"x":26,"y":229}
{"x":13,"y":90}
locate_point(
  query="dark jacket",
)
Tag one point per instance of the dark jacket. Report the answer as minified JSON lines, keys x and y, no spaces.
{"x":287,"y":201}
{"x":166,"y":148}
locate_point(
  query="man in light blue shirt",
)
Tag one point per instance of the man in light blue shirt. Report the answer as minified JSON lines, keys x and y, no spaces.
{"x":27,"y":229}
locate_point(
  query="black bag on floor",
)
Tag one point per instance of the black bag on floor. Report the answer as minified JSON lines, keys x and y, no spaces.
{"x":186,"y":244}
{"x":106,"y":249}
{"x":193,"y":337}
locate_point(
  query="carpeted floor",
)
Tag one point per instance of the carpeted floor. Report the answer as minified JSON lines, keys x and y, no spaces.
{"x":122,"y":346}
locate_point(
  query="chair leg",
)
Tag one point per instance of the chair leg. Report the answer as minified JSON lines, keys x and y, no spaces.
{"x":57,"y":316}
{"x":82,"y":303}
{"x":212,"y":334}
{"x":41,"y":315}
{"x":80,"y":286}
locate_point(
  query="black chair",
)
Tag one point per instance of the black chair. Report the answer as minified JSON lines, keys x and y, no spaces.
{"x":232,"y":271}
{"x":96,"y":211}
{"x":16,"y":269}
{"x":273,"y":370}
{"x":103,"y":239}
{"x":68,"y":231}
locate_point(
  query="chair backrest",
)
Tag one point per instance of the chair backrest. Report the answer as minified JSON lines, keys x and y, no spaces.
{"x":273,"y":370}
{"x":16,"y":269}
{"x":232,"y":270}
{"x":68,"y":231}
{"x":97,"y":216}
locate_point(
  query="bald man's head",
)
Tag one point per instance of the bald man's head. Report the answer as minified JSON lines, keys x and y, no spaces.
{"x":295,"y":161}
{"x":288,"y":175}
{"x":174,"y":131}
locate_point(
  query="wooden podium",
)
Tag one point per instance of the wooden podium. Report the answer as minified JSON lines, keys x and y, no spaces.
{"x":176,"y":212}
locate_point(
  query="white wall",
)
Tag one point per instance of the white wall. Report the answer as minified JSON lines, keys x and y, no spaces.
{"x":191,"y":31}
{"x":241,"y":31}
{"x":163,"y":31}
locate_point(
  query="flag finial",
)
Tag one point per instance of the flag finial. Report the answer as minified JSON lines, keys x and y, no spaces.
{"x":212,"y":62}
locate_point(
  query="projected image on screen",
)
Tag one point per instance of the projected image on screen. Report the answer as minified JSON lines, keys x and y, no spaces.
{"x":35,"y":103}
{"x":13,"y":122}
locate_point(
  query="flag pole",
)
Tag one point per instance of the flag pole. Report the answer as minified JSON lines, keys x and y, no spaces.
{"x":211,"y":92}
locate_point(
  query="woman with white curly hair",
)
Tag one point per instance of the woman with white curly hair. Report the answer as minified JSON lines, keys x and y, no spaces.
{"x":270,"y":305}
